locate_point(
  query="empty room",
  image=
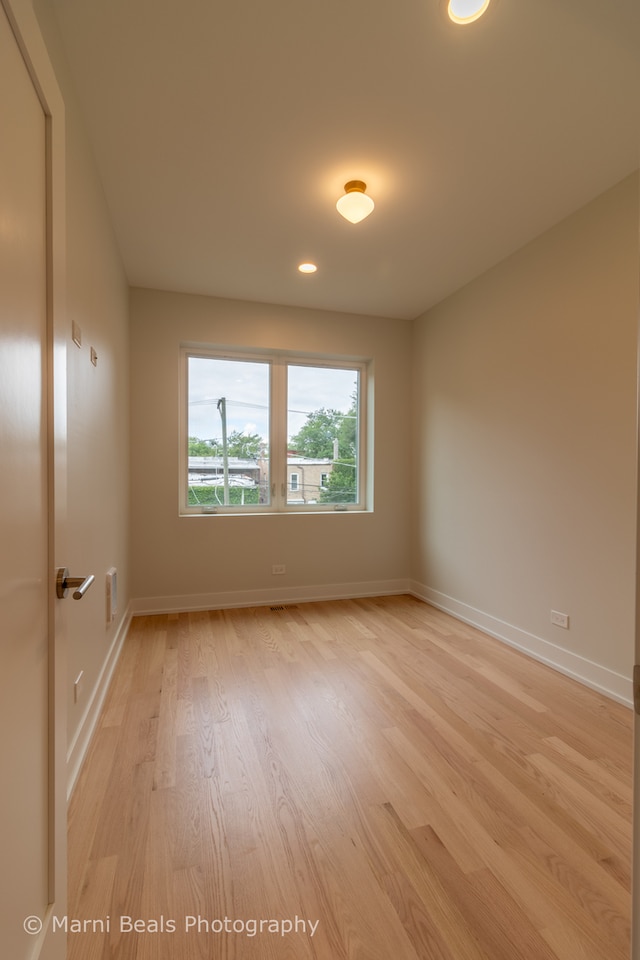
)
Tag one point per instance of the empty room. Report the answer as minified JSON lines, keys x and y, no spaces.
{"x":318,"y":398}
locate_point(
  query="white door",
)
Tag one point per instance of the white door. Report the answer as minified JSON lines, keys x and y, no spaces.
{"x":29,"y":820}
{"x":635,"y":906}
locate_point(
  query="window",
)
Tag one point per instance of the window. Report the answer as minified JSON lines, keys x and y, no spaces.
{"x":263,"y":432}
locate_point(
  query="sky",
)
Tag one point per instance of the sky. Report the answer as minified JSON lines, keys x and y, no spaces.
{"x":245,"y":385}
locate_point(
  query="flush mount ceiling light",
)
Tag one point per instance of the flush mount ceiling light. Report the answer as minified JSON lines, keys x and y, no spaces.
{"x":355,"y":205}
{"x":466,"y":11}
{"x":307,"y":268}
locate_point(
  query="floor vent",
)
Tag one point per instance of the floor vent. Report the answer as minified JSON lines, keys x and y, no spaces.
{"x":285,"y":606}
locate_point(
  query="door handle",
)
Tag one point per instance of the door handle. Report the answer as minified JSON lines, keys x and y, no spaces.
{"x":79,"y":585}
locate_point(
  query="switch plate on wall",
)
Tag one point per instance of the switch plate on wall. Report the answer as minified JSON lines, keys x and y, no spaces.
{"x":112,"y":594}
{"x":77,"y":687}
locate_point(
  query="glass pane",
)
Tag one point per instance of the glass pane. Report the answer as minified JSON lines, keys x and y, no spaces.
{"x":228,"y":457}
{"x":322,"y":434}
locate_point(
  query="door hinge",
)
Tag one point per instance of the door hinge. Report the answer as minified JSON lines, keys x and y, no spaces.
{"x":636,"y":688}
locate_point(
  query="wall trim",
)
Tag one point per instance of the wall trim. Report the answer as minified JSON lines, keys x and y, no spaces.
{"x":184,"y":603}
{"x":594,"y":675}
{"x":77,"y":750}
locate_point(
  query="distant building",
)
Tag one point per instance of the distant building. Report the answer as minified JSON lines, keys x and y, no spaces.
{"x":209,"y":471}
{"x":306,"y":477}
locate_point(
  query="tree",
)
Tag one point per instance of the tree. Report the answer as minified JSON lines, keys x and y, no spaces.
{"x":315,"y":438}
{"x":348,"y":432}
{"x":200,"y":448}
{"x":341,"y":485}
{"x":239,"y":444}
{"x":245,"y":445}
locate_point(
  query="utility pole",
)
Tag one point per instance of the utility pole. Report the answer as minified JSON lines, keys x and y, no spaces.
{"x":222,"y":410}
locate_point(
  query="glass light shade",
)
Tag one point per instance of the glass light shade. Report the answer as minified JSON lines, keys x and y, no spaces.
{"x":466,"y":11}
{"x":355,"y":205}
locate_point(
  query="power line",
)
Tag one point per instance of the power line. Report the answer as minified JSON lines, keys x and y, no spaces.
{"x":262,"y":406}
{"x":236,"y":403}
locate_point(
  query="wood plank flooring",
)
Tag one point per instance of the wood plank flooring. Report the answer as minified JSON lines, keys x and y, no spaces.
{"x":355,"y":780}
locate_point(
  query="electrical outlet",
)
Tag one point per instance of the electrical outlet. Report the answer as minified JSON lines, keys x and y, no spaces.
{"x":560,"y":619}
{"x":278,"y":568}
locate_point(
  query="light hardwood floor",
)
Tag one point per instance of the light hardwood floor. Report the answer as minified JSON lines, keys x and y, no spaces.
{"x":386,"y":779}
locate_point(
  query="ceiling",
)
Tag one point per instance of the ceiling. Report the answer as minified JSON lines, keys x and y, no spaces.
{"x":224,"y":131}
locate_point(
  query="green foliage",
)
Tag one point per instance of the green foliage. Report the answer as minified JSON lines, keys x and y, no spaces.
{"x":215,"y":496}
{"x":239,"y":444}
{"x":341,"y":485}
{"x":244,"y":445}
{"x":348,"y":434}
{"x":200,"y":448}
{"x":316,"y":437}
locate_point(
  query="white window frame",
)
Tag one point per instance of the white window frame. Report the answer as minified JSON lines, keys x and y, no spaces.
{"x":293,"y":475}
{"x":279,"y":362}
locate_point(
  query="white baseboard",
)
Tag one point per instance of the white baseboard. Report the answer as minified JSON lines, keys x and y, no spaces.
{"x":593,"y":675}
{"x":184,"y":603}
{"x":78,"y":748}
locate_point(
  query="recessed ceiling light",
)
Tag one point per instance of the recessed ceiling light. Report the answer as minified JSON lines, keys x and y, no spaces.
{"x":355,"y":205}
{"x":466,"y":11}
{"x":307,"y":268}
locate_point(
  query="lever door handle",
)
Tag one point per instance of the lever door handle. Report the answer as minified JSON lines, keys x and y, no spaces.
{"x":79,"y":585}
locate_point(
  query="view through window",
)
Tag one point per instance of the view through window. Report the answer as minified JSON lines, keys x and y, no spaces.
{"x":272,"y":433}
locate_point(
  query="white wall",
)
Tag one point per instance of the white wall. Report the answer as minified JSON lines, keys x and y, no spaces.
{"x":525,"y":410}
{"x":98,"y":415}
{"x":186,"y":562}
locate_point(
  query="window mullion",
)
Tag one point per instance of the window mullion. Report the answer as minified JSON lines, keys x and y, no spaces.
{"x":278,"y":453}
